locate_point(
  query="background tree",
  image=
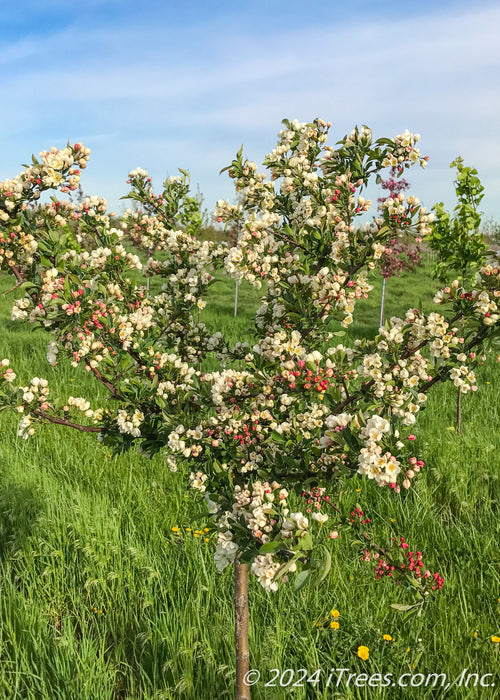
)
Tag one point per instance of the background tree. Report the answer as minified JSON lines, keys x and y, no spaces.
{"x":457,"y":239}
{"x":399,"y":256}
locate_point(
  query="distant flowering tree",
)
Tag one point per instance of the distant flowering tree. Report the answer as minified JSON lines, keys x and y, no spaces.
{"x":398,"y":256}
{"x":271,"y":434}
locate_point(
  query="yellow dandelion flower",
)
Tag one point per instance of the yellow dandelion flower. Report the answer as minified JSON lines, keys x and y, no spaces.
{"x":387,"y":637}
{"x":334,"y":613}
{"x":495,"y":639}
{"x":175,"y":529}
{"x":196,"y":534}
{"x":188,"y":529}
{"x":206,"y":529}
{"x":363,"y":653}
{"x":475,"y":635}
{"x":358,"y":490}
{"x":393,"y":520}
{"x":334,"y":625}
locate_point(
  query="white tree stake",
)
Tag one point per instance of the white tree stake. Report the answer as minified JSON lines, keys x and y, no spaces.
{"x":382,"y":304}
{"x":237,"y":281}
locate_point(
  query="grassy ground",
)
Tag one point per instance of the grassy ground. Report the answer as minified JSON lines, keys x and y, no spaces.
{"x":100,"y":599}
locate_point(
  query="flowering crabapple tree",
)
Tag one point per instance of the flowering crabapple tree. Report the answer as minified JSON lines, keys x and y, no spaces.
{"x":273,"y":435}
{"x":398,"y":256}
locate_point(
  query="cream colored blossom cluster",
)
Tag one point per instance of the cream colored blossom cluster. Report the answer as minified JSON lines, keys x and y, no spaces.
{"x":263,"y":507}
{"x":486,"y":304}
{"x":146,"y":231}
{"x":224,"y":211}
{"x":7,"y":373}
{"x":373,"y":462}
{"x":17,"y":247}
{"x":405,"y":152}
{"x":130,"y":423}
{"x":81,"y":404}
{"x":56,"y":169}
{"x":37,"y":392}
{"x":401,"y":209}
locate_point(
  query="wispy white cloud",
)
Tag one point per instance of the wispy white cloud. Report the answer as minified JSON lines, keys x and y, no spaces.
{"x":163,"y":97}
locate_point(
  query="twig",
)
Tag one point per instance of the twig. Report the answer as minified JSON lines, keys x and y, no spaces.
{"x":67,"y":423}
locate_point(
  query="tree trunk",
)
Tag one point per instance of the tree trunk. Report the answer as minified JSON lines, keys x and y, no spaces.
{"x":459,"y":410}
{"x":241,"y":629}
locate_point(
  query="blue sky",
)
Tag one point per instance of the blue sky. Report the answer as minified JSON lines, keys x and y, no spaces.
{"x":164,"y":85}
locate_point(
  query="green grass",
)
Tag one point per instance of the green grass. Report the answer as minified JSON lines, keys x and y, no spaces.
{"x":99,"y":599}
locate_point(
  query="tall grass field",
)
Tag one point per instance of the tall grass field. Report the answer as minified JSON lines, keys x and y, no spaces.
{"x":108,"y":588}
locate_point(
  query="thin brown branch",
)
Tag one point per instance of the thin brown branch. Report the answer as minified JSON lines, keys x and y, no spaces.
{"x":334,"y":507}
{"x":111,"y":388}
{"x":67,"y":423}
{"x":17,"y":274}
{"x":290,"y":241}
{"x":345,"y":388}
{"x":12,"y":289}
{"x":19,"y":277}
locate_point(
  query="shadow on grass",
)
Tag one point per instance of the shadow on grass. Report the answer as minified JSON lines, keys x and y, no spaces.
{"x":20,"y":508}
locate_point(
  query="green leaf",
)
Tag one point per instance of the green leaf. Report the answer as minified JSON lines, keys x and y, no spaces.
{"x":350,"y":439}
{"x":301,"y":579}
{"x":270,"y":547}
{"x":284,"y":568}
{"x":325,"y":566}
{"x":305,"y":543}
{"x":403,"y":608}
{"x":247,"y":556}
